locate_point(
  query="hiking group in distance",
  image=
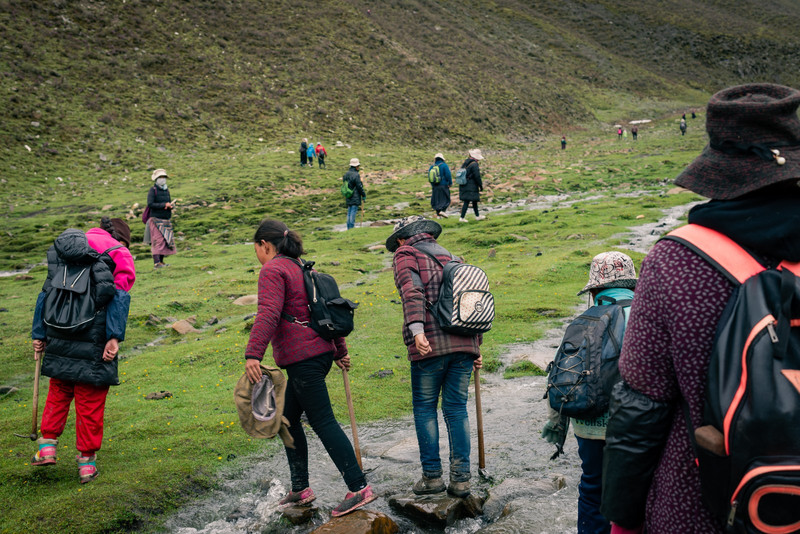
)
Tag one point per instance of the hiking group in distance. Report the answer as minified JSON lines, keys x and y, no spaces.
{"x":683,"y":385}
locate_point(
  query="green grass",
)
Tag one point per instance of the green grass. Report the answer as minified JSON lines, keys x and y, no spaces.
{"x":522,"y":368}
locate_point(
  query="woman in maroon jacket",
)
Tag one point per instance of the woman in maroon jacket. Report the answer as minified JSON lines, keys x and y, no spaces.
{"x":307,"y":359}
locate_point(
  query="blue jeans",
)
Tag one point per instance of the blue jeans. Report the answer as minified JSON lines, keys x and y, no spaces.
{"x":352,"y":211}
{"x":448,"y":374}
{"x":590,"y":520}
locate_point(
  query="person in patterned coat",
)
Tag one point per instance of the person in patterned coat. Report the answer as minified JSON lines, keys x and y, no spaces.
{"x":651,"y":481}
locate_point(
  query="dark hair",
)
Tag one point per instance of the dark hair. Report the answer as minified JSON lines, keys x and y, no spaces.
{"x":117,"y":228}
{"x":287,"y":242}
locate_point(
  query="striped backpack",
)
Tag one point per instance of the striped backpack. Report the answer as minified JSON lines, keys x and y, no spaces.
{"x":748,"y":445}
{"x":465,"y":306}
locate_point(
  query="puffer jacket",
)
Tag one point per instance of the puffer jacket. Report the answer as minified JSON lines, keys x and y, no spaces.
{"x":354,"y":179}
{"x":78,"y":357}
{"x":157,"y":198}
{"x":470,"y":191}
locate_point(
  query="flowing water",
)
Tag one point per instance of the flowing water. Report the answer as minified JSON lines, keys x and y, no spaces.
{"x":520,"y":477}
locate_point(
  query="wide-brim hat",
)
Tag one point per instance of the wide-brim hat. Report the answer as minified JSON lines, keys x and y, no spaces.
{"x":354,"y":162}
{"x":410,"y":226}
{"x":256,"y":403}
{"x":611,"y":269}
{"x":158,"y":173}
{"x":475,"y":153}
{"x":754,"y":141}
{"x":439,"y":155}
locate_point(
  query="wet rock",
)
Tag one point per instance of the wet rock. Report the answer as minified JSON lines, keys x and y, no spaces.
{"x":359,"y":522}
{"x":512,"y":489}
{"x":184,"y":327}
{"x":298,"y":515}
{"x":440,"y":510}
{"x":158,"y":395}
{"x":5,"y":390}
{"x":247,"y":300}
{"x":383,"y":373}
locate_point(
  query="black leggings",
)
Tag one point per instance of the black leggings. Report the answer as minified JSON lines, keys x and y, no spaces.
{"x":306,"y":392}
{"x":158,"y":258}
{"x":466,"y":205}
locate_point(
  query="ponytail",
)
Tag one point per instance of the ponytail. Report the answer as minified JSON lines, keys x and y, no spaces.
{"x":287,"y":242}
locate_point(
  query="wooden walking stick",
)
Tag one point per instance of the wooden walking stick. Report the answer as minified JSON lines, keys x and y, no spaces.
{"x":352,"y":417}
{"x":479,"y":416}
{"x":37,"y":355}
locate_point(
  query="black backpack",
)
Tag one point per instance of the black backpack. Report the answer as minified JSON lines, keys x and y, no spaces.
{"x":331,"y":314}
{"x":465,"y":306}
{"x":584,"y":370}
{"x":748,"y":446}
{"x":72,"y":296}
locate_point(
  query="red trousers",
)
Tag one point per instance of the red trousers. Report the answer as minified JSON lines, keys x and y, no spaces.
{"x":90,"y":403}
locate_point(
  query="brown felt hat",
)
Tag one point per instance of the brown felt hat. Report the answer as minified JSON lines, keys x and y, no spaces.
{"x":259,"y":404}
{"x":754,"y":141}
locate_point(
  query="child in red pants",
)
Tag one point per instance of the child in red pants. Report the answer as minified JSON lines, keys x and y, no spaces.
{"x":83,"y":365}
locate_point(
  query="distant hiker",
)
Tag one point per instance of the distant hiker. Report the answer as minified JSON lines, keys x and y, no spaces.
{"x":310,"y":152}
{"x":619,"y":133}
{"x":81,"y":359}
{"x":683,"y":117}
{"x":624,"y":133}
{"x":694,"y":115}
{"x":612,"y":278}
{"x":563,"y":142}
{"x":652,"y":476}
{"x":160,"y":231}
{"x":307,"y":359}
{"x":353,"y":191}
{"x":441,"y":363}
{"x":321,"y":153}
{"x":469,"y":190}
{"x":440,"y":179}
{"x":303,"y":152}
{"x":683,"y":126}
{"x":635,"y":132}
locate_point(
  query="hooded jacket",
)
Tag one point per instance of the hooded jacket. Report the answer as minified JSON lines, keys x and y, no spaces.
{"x":470,"y":191}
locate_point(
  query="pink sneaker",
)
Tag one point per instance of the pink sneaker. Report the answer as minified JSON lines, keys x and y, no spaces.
{"x":354,"y":500}
{"x":46,"y":455}
{"x":297,"y":498}
{"x":87,"y":470}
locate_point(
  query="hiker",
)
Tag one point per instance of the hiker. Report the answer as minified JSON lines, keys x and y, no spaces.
{"x":612,"y":278}
{"x":563,"y":142}
{"x":321,"y":153}
{"x":683,"y":126}
{"x":307,"y":359}
{"x":625,"y":133}
{"x":440,"y":191}
{"x":470,"y":191}
{"x":635,"y":132}
{"x":694,"y":115}
{"x":310,"y":154}
{"x":82,"y":365}
{"x":303,"y":152}
{"x":652,"y":480}
{"x":160,"y":231}
{"x":440,"y":362}
{"x":357,"y":195}
{"x":619,"y":133}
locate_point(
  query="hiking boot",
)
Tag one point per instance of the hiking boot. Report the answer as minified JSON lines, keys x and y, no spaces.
{"x":297,"y":498}
{"x":458,"y":489}
{"x":87,"y":469}
{"x":354,"y":500}
{"x":428,"y":486}
{"x":480,"y":217}
{"x":46,"y":455}
{"x":462,"y":219}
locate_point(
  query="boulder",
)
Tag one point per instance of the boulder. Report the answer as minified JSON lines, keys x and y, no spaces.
{"x":359,"y":522}
{"x":298,"y":515}
{"x":440,"y":510}
{"x":184,"y":327}
{"x":247,"y":300}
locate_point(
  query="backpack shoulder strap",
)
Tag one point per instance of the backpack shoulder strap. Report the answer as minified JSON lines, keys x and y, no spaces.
{"x":422,"y":246}
{"x":719,"y":250}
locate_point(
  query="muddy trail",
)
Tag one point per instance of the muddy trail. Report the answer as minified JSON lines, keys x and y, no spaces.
{"x":527,"y":491}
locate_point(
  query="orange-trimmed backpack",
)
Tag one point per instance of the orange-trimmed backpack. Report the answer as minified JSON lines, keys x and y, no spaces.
{"x":748,"y":446}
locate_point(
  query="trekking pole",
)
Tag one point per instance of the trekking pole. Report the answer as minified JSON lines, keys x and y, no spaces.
{"x":352,"y":417}
{"x":37,"y":355}
{"x":479,"y":417}
{"x":362,"y":216}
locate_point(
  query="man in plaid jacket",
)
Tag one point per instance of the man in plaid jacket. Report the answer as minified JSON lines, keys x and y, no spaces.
{"x":440,"y":362}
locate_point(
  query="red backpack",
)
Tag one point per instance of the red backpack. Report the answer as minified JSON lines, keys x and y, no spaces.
{"x":748,"y":446}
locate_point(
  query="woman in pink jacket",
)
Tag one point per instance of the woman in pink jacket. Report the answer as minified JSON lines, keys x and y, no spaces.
{"x":307,"y":359}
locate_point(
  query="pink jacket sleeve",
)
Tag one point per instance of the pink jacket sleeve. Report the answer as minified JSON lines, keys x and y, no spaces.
{"x":125,"y":273}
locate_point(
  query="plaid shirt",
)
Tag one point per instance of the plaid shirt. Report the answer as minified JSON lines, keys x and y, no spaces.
{"x":418,"y":279}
